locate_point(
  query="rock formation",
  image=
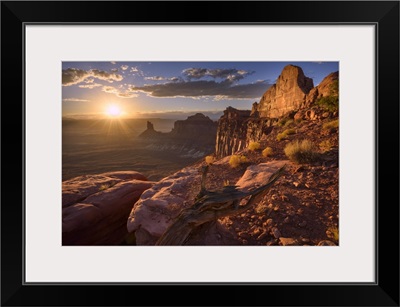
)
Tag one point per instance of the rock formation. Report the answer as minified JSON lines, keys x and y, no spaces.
{"x":95,"y":207}
{"x":159,"y":206}
{"x":232,"y":132}
{"x":291,"y":96}
{"x":193,"y":137}
{"x":287,"y":95}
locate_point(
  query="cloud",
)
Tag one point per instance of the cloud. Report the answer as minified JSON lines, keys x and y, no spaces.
{"x":202,"y":88}
{"x":231,"y":74}
{"x":124,"y":67}
{"x":90,"y":85}
{"x":74,"y":100}
{"x":112,"y":62}
{"x":71,"y":76}
{"x":114,"y":69}
{"x":118,"y":93}
{"x":134,"y":69}
{"x":159,"y":78}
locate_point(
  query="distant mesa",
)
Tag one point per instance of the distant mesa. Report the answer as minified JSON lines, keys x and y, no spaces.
{"x":193,"y":137}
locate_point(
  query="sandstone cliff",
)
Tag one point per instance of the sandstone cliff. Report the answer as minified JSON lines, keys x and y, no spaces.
{"x":292,"y":96}
{"x":287,"y":95}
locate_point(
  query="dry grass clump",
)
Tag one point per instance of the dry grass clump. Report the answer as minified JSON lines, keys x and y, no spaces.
{"x":326,"y":145}
{"x":254,"y":146}
{"x":301,"y":151}
{"x":283,"y":135}
{"x":210,"y":159}
{"x":267,"y":152}
{"x":332,"y":125}
{"x":236,"y":160}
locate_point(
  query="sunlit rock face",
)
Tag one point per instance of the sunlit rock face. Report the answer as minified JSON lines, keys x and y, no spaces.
{"x":287,"y":95}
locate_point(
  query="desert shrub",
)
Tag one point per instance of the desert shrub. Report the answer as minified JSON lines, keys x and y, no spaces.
{"x":254,"y":146}
{"x":301,"y":152}
{"x":333,"y":233}
{"x":331,"y":125}
{"x":283,"y":135}
{"x":283,"y":121}
{"x":325,"y":145}
{"x":210,"y":159}
{"x":329,"y":103}
{"x":236,"y":160}
{"x":243,"y":159}
{"x":267,"y":152}
{"x":288,"y":123}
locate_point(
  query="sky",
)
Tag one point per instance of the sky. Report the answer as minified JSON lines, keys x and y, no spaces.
{"x":170,"y":89}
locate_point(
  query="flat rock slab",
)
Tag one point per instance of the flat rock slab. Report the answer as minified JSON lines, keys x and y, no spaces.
{"x":95,"y":208}
{"x":160,"y":205}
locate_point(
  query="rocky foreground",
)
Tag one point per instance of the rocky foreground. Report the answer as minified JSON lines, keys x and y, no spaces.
{"x":300,"y":208}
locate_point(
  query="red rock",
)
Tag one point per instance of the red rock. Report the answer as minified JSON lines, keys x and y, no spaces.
{"x":96,"y":207}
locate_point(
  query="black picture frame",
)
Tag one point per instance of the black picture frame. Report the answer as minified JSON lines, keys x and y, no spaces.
{"x":383,"y":14}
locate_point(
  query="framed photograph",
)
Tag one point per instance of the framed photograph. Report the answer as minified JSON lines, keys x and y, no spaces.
{"x":250,"y":148}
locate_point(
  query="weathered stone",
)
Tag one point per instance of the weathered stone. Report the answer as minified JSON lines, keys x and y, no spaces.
{"x":95,"y":207}
{"x":326,"y":243}
{"x":276,"y":233}
{"x":288,"y":241}
{"x":287,"y":95}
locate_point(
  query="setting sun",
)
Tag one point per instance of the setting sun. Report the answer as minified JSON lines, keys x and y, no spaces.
{"x":113,"y":110}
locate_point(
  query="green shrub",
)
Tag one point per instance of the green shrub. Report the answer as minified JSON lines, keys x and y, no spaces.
{"x":210,"y":159}
{"x":331,"y":125}
{"x":267,"y":152}
{"x":254,"y":146}
{"x":282,"y":122}
{"x":301,"y":152}
{"x":329,"y":103}
{"x":283,"y":135}
{"x":288,"y":123}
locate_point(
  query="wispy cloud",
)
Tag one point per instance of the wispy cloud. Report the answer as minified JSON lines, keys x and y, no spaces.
{"x":74,"y":100}
{"x":230,"y":75}
{"x":90,"y":85}
{"x":71,"y":76}
{"x":159,"y":78}
{"x":118,"y":92}
{"x":124,"y":67}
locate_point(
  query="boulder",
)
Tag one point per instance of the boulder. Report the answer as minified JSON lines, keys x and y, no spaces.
{"x":95,"y":207}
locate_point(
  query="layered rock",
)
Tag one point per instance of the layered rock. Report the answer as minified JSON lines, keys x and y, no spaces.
{"x":231,"y":132}
{"x":160,"y":205}
{"x":288,"y":94}
{"x":95,"y":208}
{"x":236,"y":128}
{"x":293,"y":96}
